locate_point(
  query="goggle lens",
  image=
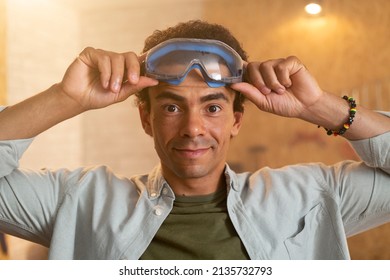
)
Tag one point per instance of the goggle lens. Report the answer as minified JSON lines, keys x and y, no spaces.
{"x":172,"y":60}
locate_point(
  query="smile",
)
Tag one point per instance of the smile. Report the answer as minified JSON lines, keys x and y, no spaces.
{"x":191,"y":153}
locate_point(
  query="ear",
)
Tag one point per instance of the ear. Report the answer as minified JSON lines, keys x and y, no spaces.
{"x":238,"y":116}
{"x":145,"y":119}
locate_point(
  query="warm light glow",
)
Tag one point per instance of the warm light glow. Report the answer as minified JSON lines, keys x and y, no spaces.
{"x":313,"y":8}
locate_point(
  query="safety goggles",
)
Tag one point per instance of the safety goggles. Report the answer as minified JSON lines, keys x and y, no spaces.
{"x":173,"y":59}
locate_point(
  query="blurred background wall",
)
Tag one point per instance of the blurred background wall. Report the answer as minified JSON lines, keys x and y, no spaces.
{"x":346,"y":49}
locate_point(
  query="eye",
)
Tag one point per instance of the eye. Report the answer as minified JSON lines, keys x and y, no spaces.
{"x":171,"y":108}
{"x":214,"y":109}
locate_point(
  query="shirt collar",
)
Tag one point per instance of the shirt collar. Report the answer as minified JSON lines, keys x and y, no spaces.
{"x":156,"y":182}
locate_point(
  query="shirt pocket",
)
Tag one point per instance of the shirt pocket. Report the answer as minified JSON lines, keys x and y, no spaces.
{"x":316,"y":238}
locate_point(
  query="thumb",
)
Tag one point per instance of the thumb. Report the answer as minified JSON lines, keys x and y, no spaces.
{"x":129,"y":89}
{"x":250,"y":92}
{"x":143,"y":83}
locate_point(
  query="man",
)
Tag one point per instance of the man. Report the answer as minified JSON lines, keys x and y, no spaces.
{"x":193,"y":206}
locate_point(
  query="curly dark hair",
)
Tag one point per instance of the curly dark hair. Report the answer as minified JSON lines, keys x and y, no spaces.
{"x":199,"y":30}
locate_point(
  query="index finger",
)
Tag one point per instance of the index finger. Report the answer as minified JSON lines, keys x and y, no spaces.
{"x":132,"y":64}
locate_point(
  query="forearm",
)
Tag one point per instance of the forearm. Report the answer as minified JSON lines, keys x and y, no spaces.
{"x":32,"y":116}
{"x":332,"y":112}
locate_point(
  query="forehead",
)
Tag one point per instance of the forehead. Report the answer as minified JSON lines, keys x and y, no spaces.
{"x":193,"y":86}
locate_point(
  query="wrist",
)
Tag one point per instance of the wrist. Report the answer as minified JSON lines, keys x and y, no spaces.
{"x":68,"y":105}
{"x":351,"y":117}
{"x":330,"y":111}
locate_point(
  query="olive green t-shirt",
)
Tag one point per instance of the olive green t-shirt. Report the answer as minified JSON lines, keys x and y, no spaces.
{"x":198,"y":227}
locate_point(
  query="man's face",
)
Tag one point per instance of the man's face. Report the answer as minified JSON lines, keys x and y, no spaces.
{"x":192,"y":125}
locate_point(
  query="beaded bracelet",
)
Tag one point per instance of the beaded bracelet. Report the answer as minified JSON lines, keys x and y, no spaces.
{"x":352,"y":113}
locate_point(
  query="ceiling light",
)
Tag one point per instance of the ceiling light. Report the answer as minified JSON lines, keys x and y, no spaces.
{"x":313,"y":8}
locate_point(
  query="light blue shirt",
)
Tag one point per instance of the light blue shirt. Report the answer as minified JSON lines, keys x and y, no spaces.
{"x":297,"y":212}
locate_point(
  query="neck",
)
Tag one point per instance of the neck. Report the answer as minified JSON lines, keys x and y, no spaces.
{"x":195,"y":186}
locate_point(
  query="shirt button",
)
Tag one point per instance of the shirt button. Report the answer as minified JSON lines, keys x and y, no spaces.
{"x":158,"y":212}
{"x":165,"y":191}
{"x":153,"y":194}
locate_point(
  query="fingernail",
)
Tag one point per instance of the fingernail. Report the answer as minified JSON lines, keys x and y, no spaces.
{"x":117,"y":85}
{"x":280,"y":90}
{"x":134,"y":78}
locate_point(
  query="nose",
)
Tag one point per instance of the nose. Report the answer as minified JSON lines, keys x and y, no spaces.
{"x":192,"y":125}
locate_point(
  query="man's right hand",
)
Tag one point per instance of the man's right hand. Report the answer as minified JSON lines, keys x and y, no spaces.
{"x":95,"y":79}
{"x":99,"y":78}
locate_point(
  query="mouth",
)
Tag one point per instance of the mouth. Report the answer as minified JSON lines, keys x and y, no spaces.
{"x":191,"y":153}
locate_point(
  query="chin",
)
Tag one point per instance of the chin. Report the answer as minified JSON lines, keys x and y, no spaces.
{"x":191,"y":172}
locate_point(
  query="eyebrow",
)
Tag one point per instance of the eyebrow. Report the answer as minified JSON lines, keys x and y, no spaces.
{"x":214,"y":96}
{"x":203,"y":99}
